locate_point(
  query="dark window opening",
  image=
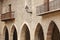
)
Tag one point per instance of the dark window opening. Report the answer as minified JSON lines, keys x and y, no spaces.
{"x":39,"y":33}
{"x":6,"y":35}
{"x":27,"y":35}
{"x":15,"y":35}
{"x":55,"y":34}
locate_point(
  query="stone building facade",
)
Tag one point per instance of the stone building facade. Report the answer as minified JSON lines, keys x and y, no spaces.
{"x":29,"y":19}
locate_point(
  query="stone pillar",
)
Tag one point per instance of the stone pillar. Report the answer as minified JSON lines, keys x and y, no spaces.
{"x":46,"y":5}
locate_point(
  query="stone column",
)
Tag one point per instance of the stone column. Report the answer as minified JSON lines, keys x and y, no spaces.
{"x":46,"y":5}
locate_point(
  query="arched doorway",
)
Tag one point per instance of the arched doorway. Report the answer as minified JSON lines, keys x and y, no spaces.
{"x":13,"y":33}
{"x":5,"y":34}
{"x":53,"y":32}
{"x":39,"y":33}
{"x":25,"y":33}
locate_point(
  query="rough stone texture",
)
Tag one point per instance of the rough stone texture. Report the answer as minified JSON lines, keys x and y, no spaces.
{"x":31,"y":20}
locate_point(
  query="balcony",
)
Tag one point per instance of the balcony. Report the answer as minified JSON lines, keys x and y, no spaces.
{"x":7,"y":16}
{"x":54,"y":6}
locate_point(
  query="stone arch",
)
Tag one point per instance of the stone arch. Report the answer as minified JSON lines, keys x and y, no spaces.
{"x":25,"y":33}
{"x":13,"y":33}
{"x":53,"y":32}
{"x":5,"y":33}
{"x":39,"y":32}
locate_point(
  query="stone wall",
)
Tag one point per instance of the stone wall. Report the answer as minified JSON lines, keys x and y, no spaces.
{"x":31,"y":20}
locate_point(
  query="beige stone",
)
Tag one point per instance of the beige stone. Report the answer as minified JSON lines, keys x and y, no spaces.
{"x":31,"y":21}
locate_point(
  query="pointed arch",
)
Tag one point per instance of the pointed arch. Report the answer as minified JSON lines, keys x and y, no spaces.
{"x":13,"y":33}
{"x":25,"y":33}
{"x":53,"y":31}
{"x":5,"y":33}
{"x":39,"y":32}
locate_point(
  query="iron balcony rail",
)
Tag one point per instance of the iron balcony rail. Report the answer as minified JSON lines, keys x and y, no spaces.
{"x":53,"y":6}
{"x":7,"y":16}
